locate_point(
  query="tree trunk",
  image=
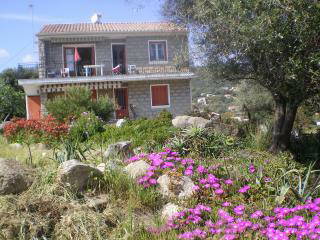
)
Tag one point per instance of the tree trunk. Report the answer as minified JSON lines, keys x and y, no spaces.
{"x":284,"y":119}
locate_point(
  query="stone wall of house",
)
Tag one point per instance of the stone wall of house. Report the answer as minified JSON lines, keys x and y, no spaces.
{"x":137,"y":53}
{"x":140,"y":97}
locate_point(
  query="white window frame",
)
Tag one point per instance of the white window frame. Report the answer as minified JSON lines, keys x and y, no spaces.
{"x":158,"y":61}
{"x":169,"y":100}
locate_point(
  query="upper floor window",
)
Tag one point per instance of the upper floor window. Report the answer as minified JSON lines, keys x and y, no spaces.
{"x":158,"y":51}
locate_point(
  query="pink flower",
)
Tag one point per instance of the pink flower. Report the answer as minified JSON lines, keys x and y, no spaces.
{"x":252,"y":169}
{"x":201,"y":169}
{"x":228,"y":182}
{"x":226,"y":204}
{"x":219,"y":191}
{"x":244,"y":189}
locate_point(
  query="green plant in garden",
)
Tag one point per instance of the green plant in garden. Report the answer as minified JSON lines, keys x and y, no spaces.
{"x":202,"y":142}
{"x":76,"y":101}
{"x":304,"y":184}
{"x":146,"y":133}
{"x":85,"y":127}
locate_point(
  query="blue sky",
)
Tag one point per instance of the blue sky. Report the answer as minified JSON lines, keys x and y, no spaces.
{"x":16,"y":25}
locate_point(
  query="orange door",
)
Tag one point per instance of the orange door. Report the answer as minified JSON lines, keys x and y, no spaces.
{"x":121,"y":95}
{"x":34,"y":107}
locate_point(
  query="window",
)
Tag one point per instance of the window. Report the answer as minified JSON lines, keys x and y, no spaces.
{"x":160,"y":95}
{"x":157,"y":51}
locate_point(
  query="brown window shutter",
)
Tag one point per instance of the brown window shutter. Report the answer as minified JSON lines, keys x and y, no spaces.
{"x":160,"y":95}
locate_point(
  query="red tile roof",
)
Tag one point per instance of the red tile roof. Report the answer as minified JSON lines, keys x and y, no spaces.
{"x":111,"y":28}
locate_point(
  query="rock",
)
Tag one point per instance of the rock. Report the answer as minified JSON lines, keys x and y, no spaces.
{"x":109,"y":165}
{"x":177,"y":187}
{"x":137,"y":169}
{"x":169,"y":210}
{"x":14,"y":177}
{"x":188,"y":121}
{"x":97,"y":202}
{"x":76,"y":175}
{"x":120,"y":123}
{"x":119,"y":149}
{"x":16,"y":145}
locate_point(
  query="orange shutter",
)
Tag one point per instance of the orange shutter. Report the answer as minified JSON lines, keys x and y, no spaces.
{"x":160,"y":95}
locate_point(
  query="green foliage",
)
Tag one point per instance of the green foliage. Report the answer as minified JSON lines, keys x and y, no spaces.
{"x":103,"y":107}
{"x":76,"y":101}
{"x":70,"y":149}
{"x":202,"y":142}
{"x":271,"y":42}
{"x":146,"y":133}
{"x":304,"y":184}
{"x":12,"y":102}
{"x":256,"y":101}
{"x":86,"y":126}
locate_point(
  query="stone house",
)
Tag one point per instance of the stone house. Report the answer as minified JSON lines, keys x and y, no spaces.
{"x":137,"y":64}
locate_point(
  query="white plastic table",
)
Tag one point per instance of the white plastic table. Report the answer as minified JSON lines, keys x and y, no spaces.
{"x":86,"y":67}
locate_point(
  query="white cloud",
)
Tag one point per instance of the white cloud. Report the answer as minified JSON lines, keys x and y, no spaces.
{"x":25,"y":17}
{"x":29,"y":58}
{"x":4,"y":53}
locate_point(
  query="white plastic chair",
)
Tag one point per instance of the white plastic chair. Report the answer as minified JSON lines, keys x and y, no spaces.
{"x":65,"y":72}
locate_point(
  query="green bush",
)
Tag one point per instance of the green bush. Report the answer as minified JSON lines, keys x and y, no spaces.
{"x":76,"y":101}
{"x":147,"y":133}
{"x":86,"y":126}
{"x":202,"y":142}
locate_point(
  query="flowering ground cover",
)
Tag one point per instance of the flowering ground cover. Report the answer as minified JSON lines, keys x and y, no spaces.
{"x":242,"y":207}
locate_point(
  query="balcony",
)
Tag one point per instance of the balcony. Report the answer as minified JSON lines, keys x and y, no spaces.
{"x":56,"y":70}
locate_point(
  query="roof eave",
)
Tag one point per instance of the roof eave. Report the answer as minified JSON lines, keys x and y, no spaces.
{"x":68,"y":34}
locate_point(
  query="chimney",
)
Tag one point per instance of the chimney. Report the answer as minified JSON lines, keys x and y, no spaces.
{"x":96,"y":18}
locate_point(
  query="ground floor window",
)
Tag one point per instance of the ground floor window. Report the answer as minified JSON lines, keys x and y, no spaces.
{"x":160,"y":95}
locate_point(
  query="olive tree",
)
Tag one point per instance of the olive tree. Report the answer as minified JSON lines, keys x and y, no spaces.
{"x":273,"y":42}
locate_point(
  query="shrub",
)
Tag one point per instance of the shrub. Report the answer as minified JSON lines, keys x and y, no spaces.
{"x":47,"y":130}
{"x":203,"y":143}
{"x":103,"y":107}
{"x":44,"y":130}
{"x":76,"y":101}
{"x":86,"y":126}
{"x":147,"y":133}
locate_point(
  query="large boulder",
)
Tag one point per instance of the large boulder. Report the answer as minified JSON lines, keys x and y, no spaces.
{"x":76,"y":175}
{"x":176,"y":186}
{"x":14,"y":177}
{"x":188,"y":121}
{"x":120,"y":150}
{"x":137,"y":169}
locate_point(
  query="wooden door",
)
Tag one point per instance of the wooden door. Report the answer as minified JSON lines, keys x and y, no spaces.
{"x":121,"y":97}
{"x":34,"y":107}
